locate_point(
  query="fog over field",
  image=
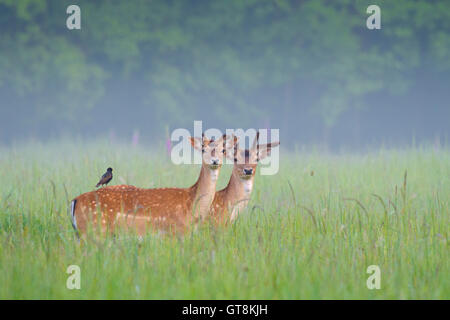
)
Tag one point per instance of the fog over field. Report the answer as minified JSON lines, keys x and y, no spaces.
{"x":309,"y":68}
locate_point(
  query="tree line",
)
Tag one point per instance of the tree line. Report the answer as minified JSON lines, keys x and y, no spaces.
{"x":154,"y":65}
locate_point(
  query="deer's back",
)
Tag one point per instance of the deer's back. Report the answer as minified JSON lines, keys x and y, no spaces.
{"x":129,"y":206}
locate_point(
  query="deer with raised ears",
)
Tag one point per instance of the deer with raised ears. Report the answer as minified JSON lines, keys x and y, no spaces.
{"x":234,"y":198}
{"x":174,"y":209}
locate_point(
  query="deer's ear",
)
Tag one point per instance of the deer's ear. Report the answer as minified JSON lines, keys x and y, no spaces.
{"x":231,"y":153}
{"x":196,"y":143}
{"x":235,"y":140}
{"x":230,"y":143}
{"x":205,"y":140}
{"x":221,"y":139}
{"x":264,"y":150}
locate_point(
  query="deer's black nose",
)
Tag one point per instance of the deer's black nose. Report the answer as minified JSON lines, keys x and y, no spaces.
{"x":215,"y":162}
{"x":248,"y":171}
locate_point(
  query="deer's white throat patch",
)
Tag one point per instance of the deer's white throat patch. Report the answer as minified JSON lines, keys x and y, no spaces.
{"x":248,"y":186}
{"x":214,"y":173}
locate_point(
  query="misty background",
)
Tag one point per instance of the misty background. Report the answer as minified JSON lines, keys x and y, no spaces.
{"x":310,"y":68}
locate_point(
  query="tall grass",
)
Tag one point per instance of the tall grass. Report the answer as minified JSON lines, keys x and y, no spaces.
{"x":310,"y":232}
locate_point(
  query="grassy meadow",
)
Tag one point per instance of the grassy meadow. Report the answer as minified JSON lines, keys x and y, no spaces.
{"x":310,"y":231}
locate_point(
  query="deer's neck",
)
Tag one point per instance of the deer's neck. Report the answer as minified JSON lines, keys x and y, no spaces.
{"x":203,"y":191}
{"x":237,"y":194}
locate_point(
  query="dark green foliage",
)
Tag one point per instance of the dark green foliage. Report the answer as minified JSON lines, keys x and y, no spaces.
{"x":158,"y":63}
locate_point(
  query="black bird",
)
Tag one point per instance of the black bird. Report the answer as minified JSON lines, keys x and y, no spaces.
{"x":106,"y":178}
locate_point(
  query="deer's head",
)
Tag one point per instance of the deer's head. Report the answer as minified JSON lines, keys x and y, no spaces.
{"x":246,"y":161}
{"x":212,"y":150}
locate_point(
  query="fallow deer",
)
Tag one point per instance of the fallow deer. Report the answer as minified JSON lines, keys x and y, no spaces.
{"x":172,"y":209}
{"x":233,"y":199}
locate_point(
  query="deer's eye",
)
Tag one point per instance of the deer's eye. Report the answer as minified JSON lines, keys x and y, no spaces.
{"x":235,"y":159}
{"x":223,"y":151}
{"x":203,"y":150}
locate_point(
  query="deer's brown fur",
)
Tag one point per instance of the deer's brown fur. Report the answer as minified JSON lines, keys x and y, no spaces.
{"x":234,"y":198}
{"x":138,"y":209}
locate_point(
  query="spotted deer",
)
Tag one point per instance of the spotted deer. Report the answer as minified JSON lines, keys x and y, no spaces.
{"x":167,"y":209}
{"x":234,"y":198}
